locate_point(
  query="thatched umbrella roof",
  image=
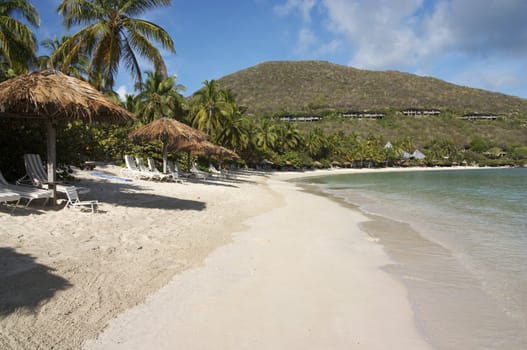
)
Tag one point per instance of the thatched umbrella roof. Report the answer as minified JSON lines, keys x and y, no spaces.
{"x":170,"y":132}
{"x":52,"y":96}
{"x":195,"y":147}
{"x":226,"y":153}
{"x":205,"y":148}
{"x":167,"y":130}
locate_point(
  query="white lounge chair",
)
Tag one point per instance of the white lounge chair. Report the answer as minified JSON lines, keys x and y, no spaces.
{"x":36,"y":175}
{"x":73,"y":200}
{"x":132,"y":170}
{"x":174,"y":171}
{"x":141,"y":165}
{"x":213,"y":170}
{"x":26,"y":192}
{"x":194,"y":171}
{"x":7,"y":196}
{"x":152,"y":167}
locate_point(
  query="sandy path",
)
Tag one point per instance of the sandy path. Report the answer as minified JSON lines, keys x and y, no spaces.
{"x":302,"y":276}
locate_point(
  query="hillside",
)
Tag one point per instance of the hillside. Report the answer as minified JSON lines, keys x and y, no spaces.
{"x":315,"y":86}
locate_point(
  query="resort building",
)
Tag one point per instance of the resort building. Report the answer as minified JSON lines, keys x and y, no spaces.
{"x":479,"y":116}
{"x":300,"y":118}
{"x":362,"y":115}
{"x":421,"y":112}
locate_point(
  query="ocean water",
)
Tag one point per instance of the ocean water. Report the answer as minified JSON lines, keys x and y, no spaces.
{"x":458,"y":242}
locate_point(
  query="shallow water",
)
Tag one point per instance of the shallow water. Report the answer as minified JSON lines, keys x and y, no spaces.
{"x":459,"y":243}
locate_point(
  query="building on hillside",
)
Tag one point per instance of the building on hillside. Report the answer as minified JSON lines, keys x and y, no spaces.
{"x":362,"y":115}
{"x":418,"y":155}
{"x":479,"y":116}
{"x":421,"y":112}
{"x":299,"y":118}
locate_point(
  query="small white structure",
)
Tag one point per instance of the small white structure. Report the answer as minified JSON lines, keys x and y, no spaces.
{"x":418,"y":155}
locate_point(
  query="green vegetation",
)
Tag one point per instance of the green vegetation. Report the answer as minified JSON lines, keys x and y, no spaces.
{"x":318,"y":87}
{"x":240,"y":111}
{"x":110,"y":36}
{"x":17,"y":44}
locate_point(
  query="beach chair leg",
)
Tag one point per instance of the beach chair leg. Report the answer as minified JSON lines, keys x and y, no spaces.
{"x":15,"y":206}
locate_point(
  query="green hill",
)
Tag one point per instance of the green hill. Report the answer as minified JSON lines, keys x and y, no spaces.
{"x":316,"y":86}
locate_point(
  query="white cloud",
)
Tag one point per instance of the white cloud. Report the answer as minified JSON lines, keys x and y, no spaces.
{"x":303,"y":6}
{"x":122,"y":91}
{"x":426,"y":36}
{"x":379,"y":33}
{"x":306,"y":40}
{"x":403,"y":33}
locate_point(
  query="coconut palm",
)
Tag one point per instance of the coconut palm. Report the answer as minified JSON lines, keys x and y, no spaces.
{"x":266,"y":135}
{"x":315,"y":142}
{"x":209,"y":104}
{"x":160,"y":97}
{"x":78,"y":66}
{"x":235,"y":131}
{"x":130,"y":103}
{"x":336,"y":145}
{"x":17,"y":43}
{"x":289,"y":137}
{"x":111,"y":36}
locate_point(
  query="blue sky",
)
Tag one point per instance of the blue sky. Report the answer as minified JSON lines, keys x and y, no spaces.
{"x":476,"y":43}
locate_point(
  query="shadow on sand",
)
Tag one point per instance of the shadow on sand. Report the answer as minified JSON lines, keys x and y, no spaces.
{"x":24,"y":283}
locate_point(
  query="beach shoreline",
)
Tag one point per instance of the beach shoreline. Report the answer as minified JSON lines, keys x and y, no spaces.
{"x":301,"y":276}
{"x":455,"y":304}
{"x":79,"y":270}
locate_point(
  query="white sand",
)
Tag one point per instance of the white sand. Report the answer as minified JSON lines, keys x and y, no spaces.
{"x":64,"y":274}
{"x":148,"y":267}
{"x":302,"y":276}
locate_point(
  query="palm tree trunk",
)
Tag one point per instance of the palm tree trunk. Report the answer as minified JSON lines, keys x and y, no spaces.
{"x":208,"y":122}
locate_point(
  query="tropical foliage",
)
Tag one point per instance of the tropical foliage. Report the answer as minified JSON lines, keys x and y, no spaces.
{"x":209,"y":104}
{"x":111,"y":35}
{"x":17,"y":43}
{"x":160,"y":97}
{"x":77,"y":66}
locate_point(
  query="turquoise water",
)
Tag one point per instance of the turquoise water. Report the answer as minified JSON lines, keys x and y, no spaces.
{"x":458,"y":239}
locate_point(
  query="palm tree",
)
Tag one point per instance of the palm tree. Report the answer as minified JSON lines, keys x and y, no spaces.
{"x":17,"y":43}
{"x":235,"y":131}
{"x":315,"y":142}
{"x":112,"y":36}
{"x":160,"y":97}
{"x":208,"y":107}
{"x":289,"y":137}
{"x":336,"y":145}
{"x":78,"y":66}
{"x":266,"y":135}
{"x":130,"y":103}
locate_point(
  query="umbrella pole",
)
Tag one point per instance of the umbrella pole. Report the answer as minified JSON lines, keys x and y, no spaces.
{"x":52,"y":158}
{"x":165,"y":146}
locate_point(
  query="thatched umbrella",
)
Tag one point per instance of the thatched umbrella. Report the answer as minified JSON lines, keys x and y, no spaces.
{"x":52,"y":96}
{"x":226,"y":153}
{"x":170,"y":132}
{"x":317,"y":164}
{"x":204,"y":148}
